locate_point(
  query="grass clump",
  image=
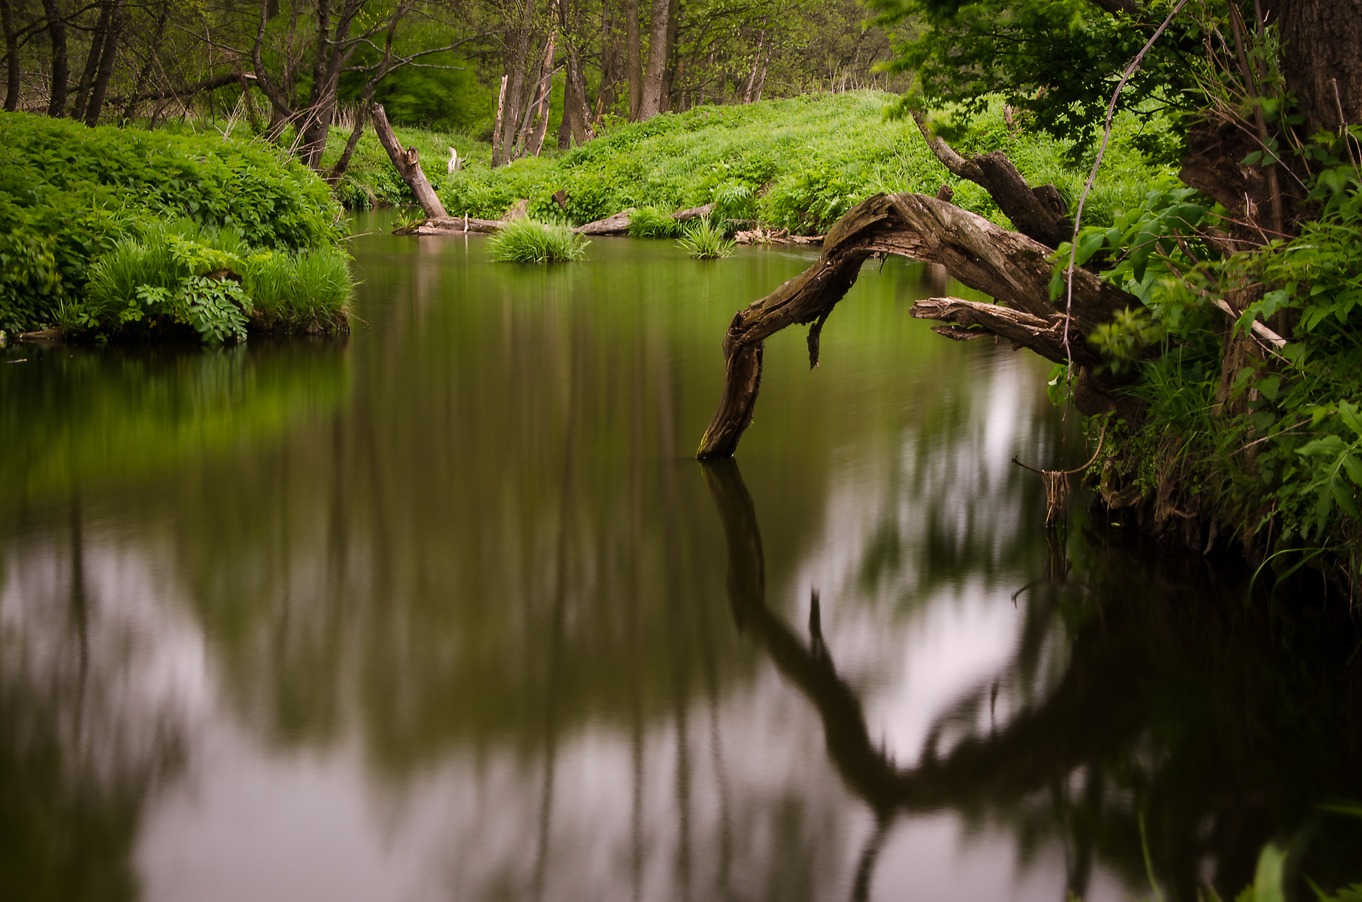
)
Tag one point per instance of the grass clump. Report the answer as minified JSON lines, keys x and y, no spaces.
{"x":181,"y":278}
{"x":705,"y":241}
{"x":527,"y":240}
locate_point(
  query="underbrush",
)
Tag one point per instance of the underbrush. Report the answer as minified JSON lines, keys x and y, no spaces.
{"x":795,"y":164}
{"x":1251,"y":423}
{"x":118,"y":233}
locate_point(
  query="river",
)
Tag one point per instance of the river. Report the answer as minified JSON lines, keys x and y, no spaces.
{"x":447,"y":611}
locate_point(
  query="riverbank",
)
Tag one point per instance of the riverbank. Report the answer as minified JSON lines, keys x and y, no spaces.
{"x":129,"y":235}
{"x":790,"y":165}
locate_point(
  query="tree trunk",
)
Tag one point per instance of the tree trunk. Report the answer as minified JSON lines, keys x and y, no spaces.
{"x":660,"y":40}
{"x":108,"y":54}
{"x":748,"y":91}
{"x":139,"y":85}
{"x":1008,"y":266}
{"x":92,"y":58}
{"x":633,"y":66}
{"x":13,"y":71}
{"x":408,"y":166}
{"x":498,"y":152}
{"x":366,"y":96}
{"x":61,"y":67}
{"x":517,"y":61}
{"x":544,"y":91}
{"x":1319,"y":59}
{"x":576,"y":125}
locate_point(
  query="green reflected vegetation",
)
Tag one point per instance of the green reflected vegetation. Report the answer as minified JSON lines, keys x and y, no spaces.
{"x":83,"y":418}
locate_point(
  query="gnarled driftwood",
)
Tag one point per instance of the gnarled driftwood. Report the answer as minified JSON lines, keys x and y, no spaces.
{"x":1008,"y":266}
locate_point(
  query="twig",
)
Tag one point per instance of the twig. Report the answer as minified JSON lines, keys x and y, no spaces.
{"x":1074,"y":472}
{"x":1092,"y":176}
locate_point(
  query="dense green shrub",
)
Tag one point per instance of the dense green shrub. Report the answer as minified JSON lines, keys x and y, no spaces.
{"x":174,"y":277}
{"x":78,"y":204}
{"x":1274,"y":455}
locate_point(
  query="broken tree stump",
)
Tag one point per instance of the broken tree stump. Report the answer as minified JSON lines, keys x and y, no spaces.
{"x":408,"y":165}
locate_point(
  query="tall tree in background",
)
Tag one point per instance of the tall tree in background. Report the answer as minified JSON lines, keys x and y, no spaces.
{"x":655,"y":92}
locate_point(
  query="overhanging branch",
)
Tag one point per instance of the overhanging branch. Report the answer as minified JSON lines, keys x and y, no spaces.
{"x":1014,"y":269}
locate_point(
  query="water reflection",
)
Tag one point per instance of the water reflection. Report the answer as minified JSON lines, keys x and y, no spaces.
{"x":90,"y":730}
{"x":442,"y":614}
{"x":1091,"y":762}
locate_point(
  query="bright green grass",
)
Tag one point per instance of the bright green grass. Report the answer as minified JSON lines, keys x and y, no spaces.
{"x":531,"y":241}
{"x":650,"y":222}
{"x":703,"y":240}
{"x":797,"y":164}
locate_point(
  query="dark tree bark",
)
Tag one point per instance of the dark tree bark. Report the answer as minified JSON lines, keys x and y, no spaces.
{"x":108,"y":53}
{"x":92,"y":58}
{"x":61,"y":66}
{"x":13,"y":69}
{"x":1006,"y":265}
{"x":1320,"y":59}
{"x":1038,"y":213}
{"x":576,"y":125}
{"x":334,"y":47}
{"x":633,"y":64}
{"x":661,"y":38}
{"x":512,"y":103}
{"x":366,"y":97}
{"x":537,"y":125}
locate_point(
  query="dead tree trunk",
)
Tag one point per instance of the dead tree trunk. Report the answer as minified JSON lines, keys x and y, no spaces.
{"x":1006,"y":265}
{"x":408,"y":166}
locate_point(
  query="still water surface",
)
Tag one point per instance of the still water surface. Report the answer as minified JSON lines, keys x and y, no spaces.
{"x":447,"y":612}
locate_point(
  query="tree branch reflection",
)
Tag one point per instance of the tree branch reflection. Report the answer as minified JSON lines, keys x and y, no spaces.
{"x":1105,"y":746}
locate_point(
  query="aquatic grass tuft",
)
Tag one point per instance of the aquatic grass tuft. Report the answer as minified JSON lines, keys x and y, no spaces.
{"x":704,"y":240}
{"x":529,"y":240}
{"x":300,"y":292}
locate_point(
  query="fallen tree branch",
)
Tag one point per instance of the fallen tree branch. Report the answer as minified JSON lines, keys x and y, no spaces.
{"x":1038,"y":213}
{"x":408,"y":165}
{"x":454,"y":225}
{"x":618,"y":224}
{"x":1008,"y":266}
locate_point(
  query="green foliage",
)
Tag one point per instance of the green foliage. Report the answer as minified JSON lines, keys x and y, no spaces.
{"x":705,"y":241}
{"x":528,"y":240}
{"x":975,"y":51}
{"x":1274,"y":454}
{"x":797,"y":164}
{"x":83,"y":216}
{"x":441,"y":93}
{"x":306,"y":291}
{"x":180,"y":274}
